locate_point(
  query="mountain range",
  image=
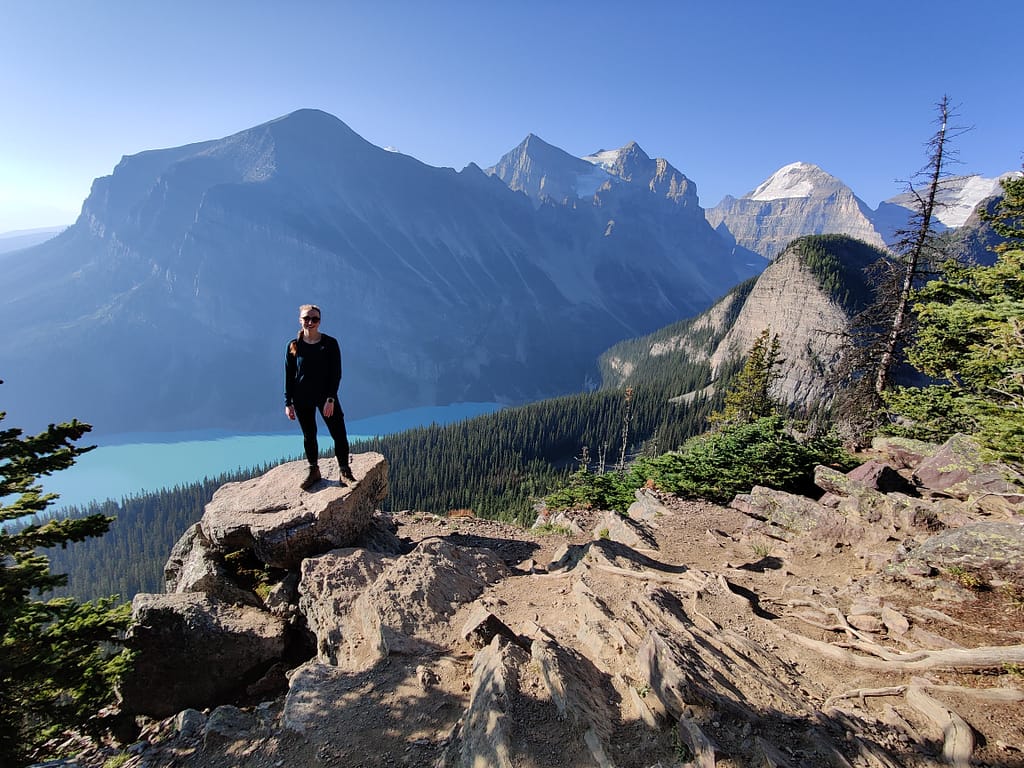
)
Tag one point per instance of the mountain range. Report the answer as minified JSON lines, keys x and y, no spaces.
{"x":168,"y":304}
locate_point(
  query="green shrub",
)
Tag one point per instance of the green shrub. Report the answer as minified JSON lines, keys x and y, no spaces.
{"x":718,"y":465}
{"x":587,"y":490}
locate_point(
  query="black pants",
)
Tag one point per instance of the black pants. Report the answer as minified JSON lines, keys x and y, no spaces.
{"x":306,"y":415}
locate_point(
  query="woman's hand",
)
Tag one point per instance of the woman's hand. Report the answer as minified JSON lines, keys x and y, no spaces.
{"x":328,"y":409}
{"x":289,"y":411}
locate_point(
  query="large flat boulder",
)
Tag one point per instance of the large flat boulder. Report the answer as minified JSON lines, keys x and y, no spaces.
{"x":983,"y":547}
{"x":282,"y":524}
{"x":195,"y":651}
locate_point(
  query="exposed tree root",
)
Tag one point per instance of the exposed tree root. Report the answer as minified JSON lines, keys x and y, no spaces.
{"x":952,"y":659}
{"x":863,"y":693}
{"x":958,"y":738}
{"x":996,"y":695}
{"x":841,"y":625}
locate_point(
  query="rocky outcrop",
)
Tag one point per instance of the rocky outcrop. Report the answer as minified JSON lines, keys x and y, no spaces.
{"x":228,"y":614}
{"x":789,"y":301}
{"x":806,"y":297}
{"x":283,"y":525}
{"x":875,"y":503}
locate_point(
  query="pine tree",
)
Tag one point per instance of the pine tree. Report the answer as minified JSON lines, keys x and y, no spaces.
{"x":750,"y":396}
{"x":56,"y":667}
{"x":971,"y":338}
{"x":1008,"y":217}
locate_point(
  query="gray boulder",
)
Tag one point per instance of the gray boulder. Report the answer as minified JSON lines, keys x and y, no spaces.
{"x":194,"y":566}
{"x":647,"y":508}
{"x":789,"y":515}
{"x":227,"y":724}
{"x":986,"y":547}
{"x":612,"y":525}
{"x":195,"y":651}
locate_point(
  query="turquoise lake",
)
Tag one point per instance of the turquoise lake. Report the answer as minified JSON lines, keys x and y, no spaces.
{"x":123,"y":465}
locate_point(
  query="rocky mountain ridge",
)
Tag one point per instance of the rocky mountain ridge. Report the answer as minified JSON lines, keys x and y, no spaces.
{"x":779,"y":630}
{"x":443,"y":286}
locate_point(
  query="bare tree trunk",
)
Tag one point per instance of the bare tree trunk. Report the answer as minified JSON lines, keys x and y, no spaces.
{"x":627,"y":416}
{"x":913,"y":248}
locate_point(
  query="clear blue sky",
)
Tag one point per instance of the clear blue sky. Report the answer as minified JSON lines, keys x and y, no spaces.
{"x":727,"y":91}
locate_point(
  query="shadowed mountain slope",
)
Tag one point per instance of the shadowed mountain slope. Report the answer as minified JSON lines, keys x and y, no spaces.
{"x":169,"y":302}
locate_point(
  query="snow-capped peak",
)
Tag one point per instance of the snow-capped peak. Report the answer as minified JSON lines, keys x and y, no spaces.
{"x":793,"y":180}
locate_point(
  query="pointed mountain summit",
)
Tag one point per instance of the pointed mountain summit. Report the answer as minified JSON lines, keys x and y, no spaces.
{"x":798,"y":199}
{"x":632,"y":164}
{"x":796,"y":180}
{"x":545,"y":172}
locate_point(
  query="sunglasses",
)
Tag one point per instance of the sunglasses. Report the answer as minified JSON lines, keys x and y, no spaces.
{"x":310,"y":319}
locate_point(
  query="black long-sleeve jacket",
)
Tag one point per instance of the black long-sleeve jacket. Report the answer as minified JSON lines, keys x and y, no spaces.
{"x":313,"y":373}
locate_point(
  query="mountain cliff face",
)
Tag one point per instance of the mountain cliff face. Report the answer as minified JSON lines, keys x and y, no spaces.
{"x":169,"y":303}
{"x":798,"y":199}
{"x":806,"y":296}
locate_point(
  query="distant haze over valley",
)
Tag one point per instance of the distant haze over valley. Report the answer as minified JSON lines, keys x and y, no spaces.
{"x":168,"y":304}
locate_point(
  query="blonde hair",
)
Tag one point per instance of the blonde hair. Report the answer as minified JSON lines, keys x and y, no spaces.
{"x":293,"y":347}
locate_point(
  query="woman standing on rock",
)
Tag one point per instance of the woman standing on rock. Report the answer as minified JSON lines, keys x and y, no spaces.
{"x":312,"y":374}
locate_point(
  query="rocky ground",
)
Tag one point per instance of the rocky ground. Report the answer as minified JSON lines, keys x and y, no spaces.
{"x":690,"y":634}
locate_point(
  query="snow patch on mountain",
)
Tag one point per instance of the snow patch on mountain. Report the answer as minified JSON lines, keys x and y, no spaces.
{"x":605,"y":158}
{"x":961,"y":200}
{"x":788,"y":182}
{"x":958,"y":197}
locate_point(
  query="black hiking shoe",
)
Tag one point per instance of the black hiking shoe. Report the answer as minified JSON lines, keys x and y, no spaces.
{"x":311,"y":479}
{"x":346,"y":474}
